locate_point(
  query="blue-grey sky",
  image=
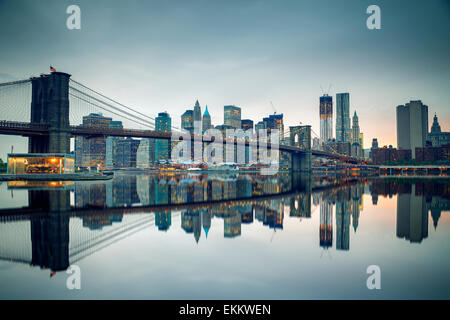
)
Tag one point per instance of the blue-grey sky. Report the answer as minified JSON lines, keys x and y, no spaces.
{"x":163,"y":55}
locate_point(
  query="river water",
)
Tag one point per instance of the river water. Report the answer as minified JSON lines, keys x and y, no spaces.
{"x":225,"y":236}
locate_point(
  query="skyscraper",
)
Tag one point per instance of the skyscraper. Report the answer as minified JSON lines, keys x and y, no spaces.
{"x":127,"y":153}
{"x":374,"y":143}
{"x":197,"y":112}
{"x":232,"y":116}
{"x":187,"y":121}
{"x":343,"y":132}
{"x":412,"y":126}
{"x":246,"y":124}
{"x":355,"y":129}
{"x":111,"y":146}
{"x":260,"y":126}
{"x":92,"y":152}
{"x":326,"y":118}
{"x":361,"y":140}
{"x":356,"y":146}
{"x":274,"y":121}
{"x":206,"y":121}
{"x":163,"y":123}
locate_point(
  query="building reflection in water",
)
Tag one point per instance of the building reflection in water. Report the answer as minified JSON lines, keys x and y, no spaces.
{"x":326,"y":223}
{"x":414,"y":201}
{"x":110,"y":205}
{"x":412,"y":217}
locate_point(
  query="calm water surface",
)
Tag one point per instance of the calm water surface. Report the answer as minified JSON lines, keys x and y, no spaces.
{"x":235,"y":236}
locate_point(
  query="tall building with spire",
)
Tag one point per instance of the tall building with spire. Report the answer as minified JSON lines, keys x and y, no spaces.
{"x":197,"y":112}
{"x":355,"y":128}
{"x":436,"y":136}
{"x":356,"y":145}
{"x":206,"y":121}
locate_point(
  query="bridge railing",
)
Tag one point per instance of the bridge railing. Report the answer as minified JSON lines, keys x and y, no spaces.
{"x":22,"y":125}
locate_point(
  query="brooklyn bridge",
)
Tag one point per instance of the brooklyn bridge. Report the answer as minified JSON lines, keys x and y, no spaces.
{"x":48,"y":110}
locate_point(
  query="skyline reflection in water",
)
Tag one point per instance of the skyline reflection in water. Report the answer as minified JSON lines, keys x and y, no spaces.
{"x":226,"y":236}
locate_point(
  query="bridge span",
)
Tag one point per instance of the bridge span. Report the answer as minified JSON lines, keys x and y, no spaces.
{"x":52,"y":121}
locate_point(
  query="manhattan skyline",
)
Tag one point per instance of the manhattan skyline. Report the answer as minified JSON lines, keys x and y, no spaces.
{"x":158,"y":57}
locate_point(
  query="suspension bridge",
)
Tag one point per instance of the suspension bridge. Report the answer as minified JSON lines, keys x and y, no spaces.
{"x":49,"y":110}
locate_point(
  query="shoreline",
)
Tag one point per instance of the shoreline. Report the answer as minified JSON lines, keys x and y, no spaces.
{"x":53,"y":177}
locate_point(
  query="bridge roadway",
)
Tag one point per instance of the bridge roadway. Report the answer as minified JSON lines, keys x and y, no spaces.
{"x":31,"y":129}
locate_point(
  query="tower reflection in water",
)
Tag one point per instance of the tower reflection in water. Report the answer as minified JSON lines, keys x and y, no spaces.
{"x":65,"y":222}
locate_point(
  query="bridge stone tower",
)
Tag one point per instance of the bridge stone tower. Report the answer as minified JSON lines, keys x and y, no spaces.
{"x":50,"y":106}
{"x":300,"y":136}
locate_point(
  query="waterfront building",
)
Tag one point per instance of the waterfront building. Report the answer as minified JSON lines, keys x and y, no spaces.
{"x":432,"y":154}
{"x":260,"y":126}
{"x":389,"y":154}
{"x":343,"y":131}
{"x":436,"y":136}
{"x":163,"y":123}
{"x":232,"y":116}
{"x":326,"y":118}
{"x":91,"y":153}
{"x":412,"y":126}
{"x":344,"y":148}
{"x":274,"y":121}
{"x":40,"y":163}
{"x":247,"y":124}
{"x":145,"y":156}
{"x":111,"y":146}
{"x":127,"y":153}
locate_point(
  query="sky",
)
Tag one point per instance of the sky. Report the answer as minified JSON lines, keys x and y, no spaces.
{"x":164,"y":55}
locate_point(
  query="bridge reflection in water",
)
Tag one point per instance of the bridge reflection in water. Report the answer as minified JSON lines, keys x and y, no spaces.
{"x":65,"y":221}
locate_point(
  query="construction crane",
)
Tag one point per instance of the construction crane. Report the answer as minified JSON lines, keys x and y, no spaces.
{"x":328,"y":91}
{"x":273,"y":107}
